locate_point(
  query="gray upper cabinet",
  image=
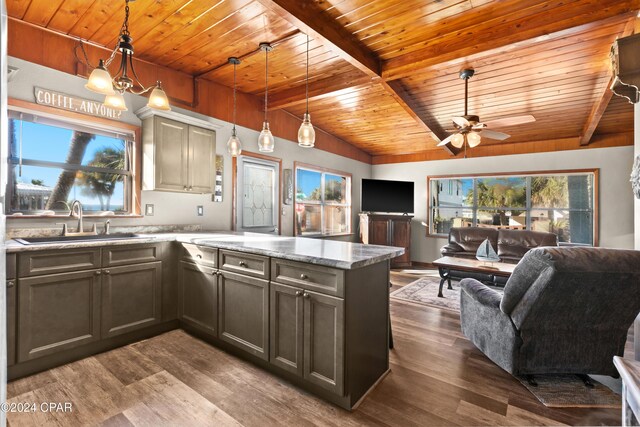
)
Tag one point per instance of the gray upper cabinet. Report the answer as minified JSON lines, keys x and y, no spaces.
{"x":57,"y":312}
{"x":201,"y":160}
{"x":131,"y":298}
{"x":177,"y":157}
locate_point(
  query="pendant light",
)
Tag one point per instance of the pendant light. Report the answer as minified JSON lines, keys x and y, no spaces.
{"x":266,"y":142}
{"x":306,"y":133}
{"x":234,"y":147}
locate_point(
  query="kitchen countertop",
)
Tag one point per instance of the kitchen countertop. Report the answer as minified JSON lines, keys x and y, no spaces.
{"x":331,"y":253}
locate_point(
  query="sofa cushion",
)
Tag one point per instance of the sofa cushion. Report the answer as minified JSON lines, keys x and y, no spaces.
{"x":470,"y":238}
{"x":515,"y":243}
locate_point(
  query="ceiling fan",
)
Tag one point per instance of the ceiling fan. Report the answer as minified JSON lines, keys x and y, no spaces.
{"x":468,"y":128}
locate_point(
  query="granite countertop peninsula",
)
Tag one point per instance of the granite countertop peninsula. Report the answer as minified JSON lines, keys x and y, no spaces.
{"x":331,"y":253}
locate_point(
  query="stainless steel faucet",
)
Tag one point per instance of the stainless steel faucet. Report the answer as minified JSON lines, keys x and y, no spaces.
{"x":76,"y":210}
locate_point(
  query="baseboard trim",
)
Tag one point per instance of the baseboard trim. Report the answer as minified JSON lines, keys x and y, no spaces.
{"x":422,"y":264}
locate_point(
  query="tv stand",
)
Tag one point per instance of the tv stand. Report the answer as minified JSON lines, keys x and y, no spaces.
{"x":388,"y":230}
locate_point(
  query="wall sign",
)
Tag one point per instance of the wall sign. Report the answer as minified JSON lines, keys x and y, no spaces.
{"x":72,"y":103}
{"x":217,"y":193}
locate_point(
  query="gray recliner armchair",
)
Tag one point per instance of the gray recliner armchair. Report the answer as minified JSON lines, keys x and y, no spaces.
{"x":564,"y":310}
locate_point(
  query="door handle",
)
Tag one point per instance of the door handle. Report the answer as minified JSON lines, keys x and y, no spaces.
{"x":11,"y":284}
{"x":298,"y":293}
{"x":306,"y":295}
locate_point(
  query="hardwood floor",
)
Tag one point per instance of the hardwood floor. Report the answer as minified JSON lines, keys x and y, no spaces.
{"x":437,"y":378}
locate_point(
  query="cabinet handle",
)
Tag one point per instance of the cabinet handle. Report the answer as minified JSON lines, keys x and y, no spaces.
{"x":242,"y":264}
{"x":190,"y":188}
{"x":199,"y":256}
{"x":185,"y":188}
{"x":11,"y":284}
{"x":98,"y":273}
{"x":298,"y":293}
{"x":107,"y":272}
{"x":306,"y":295}
{"x":304,"y":276}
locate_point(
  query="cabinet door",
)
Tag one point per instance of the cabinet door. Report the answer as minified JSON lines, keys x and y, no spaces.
{"x":202,"y":146}
{"x":171,"y":154}
{"x":379,"y":231}
{"x":57,"y":312}
{"x":402,"y":238}
{"x":198,"y":297}
{"x":243,"y":312}
{"x":286,"y":327}
{"x":11,"y":322}
{"x":131,"y":298}
{"x":324,"y":341}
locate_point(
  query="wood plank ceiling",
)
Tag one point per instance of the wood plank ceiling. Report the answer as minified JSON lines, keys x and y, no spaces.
{"x":383,"y":73}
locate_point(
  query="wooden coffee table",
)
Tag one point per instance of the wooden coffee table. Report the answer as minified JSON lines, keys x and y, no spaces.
{"x":448,"y":263}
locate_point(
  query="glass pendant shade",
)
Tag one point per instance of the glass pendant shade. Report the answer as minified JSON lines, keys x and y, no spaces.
{"x":306,"y":133}
{"x":115,"y":101}
{"x":266,"y":142}
{"x":234,"y":146}
{"x":473,"y":139}
{"x":158,"y":99}
{"x":100,"y":80}
{"x":457,"y":140}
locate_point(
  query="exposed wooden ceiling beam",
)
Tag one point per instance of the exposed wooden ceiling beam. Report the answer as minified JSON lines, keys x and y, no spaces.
{"x":304,"y":16}
{"x":318,"y":89}
{"x":498,"y":33}
{"x":307,"y":18}
{"x":605,"y":95}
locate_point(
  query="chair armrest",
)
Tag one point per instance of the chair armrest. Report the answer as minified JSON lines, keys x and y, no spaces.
{"x":481,"y":293}
{"x":450,"y":249}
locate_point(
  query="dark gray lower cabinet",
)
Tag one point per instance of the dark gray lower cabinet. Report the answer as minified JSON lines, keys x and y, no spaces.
{"x":324,"y":341}
{"x":307,"y":335}
{"x":286,"y":327}
{"x":243,"y":312}
{"x":131,"y":298}
{"x":57,"y":312}
{"x":198,"y":297}
{"x":11,"y":322}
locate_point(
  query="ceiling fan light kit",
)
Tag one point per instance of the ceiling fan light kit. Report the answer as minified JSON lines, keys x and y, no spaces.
{"x":469,"y":130}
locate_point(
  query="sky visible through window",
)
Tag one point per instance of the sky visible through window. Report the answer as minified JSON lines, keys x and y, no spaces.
{"x":51,"y":143}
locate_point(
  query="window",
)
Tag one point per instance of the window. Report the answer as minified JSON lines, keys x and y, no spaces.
{"x":323,"y":201}
{"x":52,"y":163}
{"x":563,"y":203}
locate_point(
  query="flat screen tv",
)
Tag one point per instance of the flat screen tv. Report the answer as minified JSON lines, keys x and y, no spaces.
{"x":387,"y":196}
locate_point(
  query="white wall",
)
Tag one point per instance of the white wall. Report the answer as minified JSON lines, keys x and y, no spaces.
{"x":177,"y":208}
{"x":616,"y":205}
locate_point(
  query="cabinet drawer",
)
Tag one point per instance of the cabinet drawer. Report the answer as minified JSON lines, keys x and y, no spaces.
{"x":59,"y":261}
{"x":308,"y":276}
{"x":248,"y":264}
{"x":113,"y":256}
{"x":200,"y":255}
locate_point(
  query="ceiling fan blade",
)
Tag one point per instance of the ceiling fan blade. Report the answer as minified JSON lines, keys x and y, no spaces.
{"x":461,"y":121}
{"x":478,"y":126}
{"x":492,"y":134}
{"x":446,"y":140}
{"x":510,"y":121}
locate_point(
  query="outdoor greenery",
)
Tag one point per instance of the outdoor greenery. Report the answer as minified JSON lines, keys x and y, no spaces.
{"x":100,"y":184}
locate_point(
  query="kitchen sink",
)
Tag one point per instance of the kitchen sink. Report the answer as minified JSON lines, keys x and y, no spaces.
{"x":63,"y":239}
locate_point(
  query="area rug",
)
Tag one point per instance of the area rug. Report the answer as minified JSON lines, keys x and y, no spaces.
{"x":569,"y":391}
{"x":424,"y":291}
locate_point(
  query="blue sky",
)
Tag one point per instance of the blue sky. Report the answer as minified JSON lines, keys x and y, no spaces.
{"x":50,"y":143}
{"x":308,"y":181}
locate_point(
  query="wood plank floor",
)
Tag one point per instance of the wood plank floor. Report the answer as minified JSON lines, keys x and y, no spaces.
{"x":437,"y":378}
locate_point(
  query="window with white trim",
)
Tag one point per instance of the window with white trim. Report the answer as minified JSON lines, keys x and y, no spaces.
{"x":53,"y":162}
{"x":323,"y":202}
{"x":564,"y":203}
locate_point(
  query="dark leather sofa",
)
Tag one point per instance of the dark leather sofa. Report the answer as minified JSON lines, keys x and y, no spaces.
{"x":511,"y":245}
